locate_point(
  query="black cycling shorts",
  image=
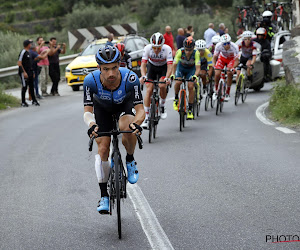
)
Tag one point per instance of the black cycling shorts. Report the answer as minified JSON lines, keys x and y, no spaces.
{"x":244,"y":61}
{"x":204,"y":66}
{"x":104,"y":117}
{"x":156,"y":72}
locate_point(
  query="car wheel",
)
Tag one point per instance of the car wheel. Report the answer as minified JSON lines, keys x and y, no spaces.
{"x":75,"y":87}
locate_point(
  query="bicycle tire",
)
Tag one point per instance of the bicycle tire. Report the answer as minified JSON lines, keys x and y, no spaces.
{"x":237,"y":90}
{"x":118,"y":198}
{"x":156,"y":118}
{"x":222,"y":98}
{"x":195,"y":104}
{"x":245,"y":92}
{"x":151,"y":121}
{"x":207,"y":97}
{"x":181,"y":111}
{"x":212,"y":101}
{"x":111,"y":190}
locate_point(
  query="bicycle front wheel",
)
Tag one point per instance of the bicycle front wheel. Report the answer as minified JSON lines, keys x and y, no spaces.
{"x":117,"y":185}
{"x":237,"y":90}
{"x":151,"y":121}
{"x":245,"y":91}
{"x":156,"y":118}
{"x":181,"y":111}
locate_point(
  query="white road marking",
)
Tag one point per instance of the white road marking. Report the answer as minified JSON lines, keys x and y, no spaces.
{"x":150,"y":224}
{"x":285,"y":130}
{"x":260,"y":114}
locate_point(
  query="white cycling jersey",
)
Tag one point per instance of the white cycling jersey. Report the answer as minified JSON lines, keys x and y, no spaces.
{"x":230,"y":54}
{"x":163,"y":57}
{"x":248,"y":51}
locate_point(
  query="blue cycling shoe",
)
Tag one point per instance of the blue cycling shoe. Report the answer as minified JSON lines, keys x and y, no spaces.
{"x":103,"y":207}
{"x":133,"y":174}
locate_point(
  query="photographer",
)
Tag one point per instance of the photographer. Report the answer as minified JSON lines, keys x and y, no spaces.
{"x":43,"y":64}
{"x":53,"y":57}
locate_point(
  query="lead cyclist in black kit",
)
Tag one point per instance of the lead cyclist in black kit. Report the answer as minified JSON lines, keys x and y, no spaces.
{"x":118,"y":92}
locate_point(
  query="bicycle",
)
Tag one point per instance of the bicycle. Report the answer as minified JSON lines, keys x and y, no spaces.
{"x":182,"y":102}
{"x":221,"y":91}
{"x":154,"y":109}
{"x":117,"y":177}
{"x":241,"y":88}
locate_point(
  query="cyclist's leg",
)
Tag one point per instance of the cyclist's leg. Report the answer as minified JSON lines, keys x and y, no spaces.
{"x":161,"y":74}
{"x":191,"y":87}
{"x":220,"y":64}
{"x":151,"y":76}
{"x":129,"y":142}
{"x":229,"y":76}
{"x":178,"y":75}
{"x":203,"y":73}
{"x":102,"y":164}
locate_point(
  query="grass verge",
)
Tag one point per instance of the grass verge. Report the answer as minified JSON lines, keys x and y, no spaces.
{"x":285,"y":103}
{"x":7,"y":101}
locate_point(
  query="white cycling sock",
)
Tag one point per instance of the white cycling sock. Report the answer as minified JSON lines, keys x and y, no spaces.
{"x":163,"y":101}
{"x":102,"y":169}
{"x":147,"y":109}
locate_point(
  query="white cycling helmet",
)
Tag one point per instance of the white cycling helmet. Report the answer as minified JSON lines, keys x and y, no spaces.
{"x":157,"y":40}
{"x":225,"y":38}
{"x":247,"y":33}
{"x":200,"y":44}
{"x":215,"y":39}
{"x":267,"y":13}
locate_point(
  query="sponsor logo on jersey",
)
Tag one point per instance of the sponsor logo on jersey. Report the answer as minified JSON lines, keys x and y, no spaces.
{"x":87,"y":93}
{"x":132,"y":78}
{"x":136,"y":92}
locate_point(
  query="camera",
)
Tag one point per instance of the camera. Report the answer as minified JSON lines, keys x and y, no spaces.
{"x":47,"y":42}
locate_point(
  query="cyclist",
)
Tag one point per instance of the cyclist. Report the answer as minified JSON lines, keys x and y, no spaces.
{"x":249,"y":52}
{"x":186,"y":62}
{"x":226,"y":53}
{"x":206,"y":61}
{"x":215,"y":39}
{"x":118,"y":92}
{"x":266,"y":53}
{"x":159,"y":67}
{"x":125,"y":57}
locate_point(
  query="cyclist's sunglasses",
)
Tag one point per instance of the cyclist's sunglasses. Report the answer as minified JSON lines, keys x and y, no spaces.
{"x":188,"y":49}
{"x":224,"y":44}
{"x":248,"y":38}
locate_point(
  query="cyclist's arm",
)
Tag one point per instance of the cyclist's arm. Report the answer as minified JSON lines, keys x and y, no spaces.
{"x":214,"y":60}
{"x":137,"y":101}
{"x":236,"y":62}
{"x":143,"y":68}
{"x":140,"y":114}
{"x":88,"y":114}
{"x":197,"y":63}
{"x":177,"y":59}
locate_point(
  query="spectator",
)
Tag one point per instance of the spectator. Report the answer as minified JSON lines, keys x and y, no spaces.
{"x":54,"y":70}
{"x":43,"y":64}
{"x":110,"y":38}
{"x":189,"y":31}
{"x":169,"y":40}
{"x":208,"y":34}
{"x":35,"y":57}
{"x":240,"y":31}
{"x":26,"y":73}
{"x":226,"y":30}
{"x":180,"y":38}
{"x":221,"y":29}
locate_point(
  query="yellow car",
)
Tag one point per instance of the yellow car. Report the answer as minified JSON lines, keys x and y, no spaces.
{"x":86,"y":63}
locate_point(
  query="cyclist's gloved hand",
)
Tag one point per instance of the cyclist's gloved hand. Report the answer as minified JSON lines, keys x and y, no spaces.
{"x":194,"y":77}
{"x":142,"y":79}
{"x":172,"y":77}
{"x":251,"y":66}
{"x":92,"y":130}
{"x":137,"y":128}
{"x":232,"y":70}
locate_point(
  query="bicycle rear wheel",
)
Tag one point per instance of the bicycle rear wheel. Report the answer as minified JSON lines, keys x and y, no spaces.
{"x":117,"y":185}
{"x":207,"y":97}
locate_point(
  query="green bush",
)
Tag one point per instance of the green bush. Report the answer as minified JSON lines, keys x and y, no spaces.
{"x":28,"y":16}
{"x":8,"y":100}
{"x":285,"y":103}
{"x":84,"y":16}
{"x":10,"y":17}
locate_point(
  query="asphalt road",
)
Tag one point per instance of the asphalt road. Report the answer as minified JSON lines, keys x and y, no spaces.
{"x":225,"y":182}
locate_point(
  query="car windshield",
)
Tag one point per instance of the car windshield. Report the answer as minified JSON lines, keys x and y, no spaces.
{"x":92,"y":49}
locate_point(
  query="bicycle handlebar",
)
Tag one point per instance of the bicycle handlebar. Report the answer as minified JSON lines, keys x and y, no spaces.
{"x":155,"y":81}
{"x":115,"y":132}
{"x":183,"y":80}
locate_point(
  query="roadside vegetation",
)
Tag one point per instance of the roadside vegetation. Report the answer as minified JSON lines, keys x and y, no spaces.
{"x":7,"y":101}
{"x":285,"y":103}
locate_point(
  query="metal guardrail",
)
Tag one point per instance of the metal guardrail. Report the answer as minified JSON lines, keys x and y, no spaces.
{"x":10,"y":71}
